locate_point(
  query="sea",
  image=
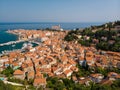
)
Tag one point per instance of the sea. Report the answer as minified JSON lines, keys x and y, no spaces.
{"x":6,"y":37}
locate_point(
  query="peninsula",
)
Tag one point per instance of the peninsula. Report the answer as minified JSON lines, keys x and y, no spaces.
{"x":62,"y":61}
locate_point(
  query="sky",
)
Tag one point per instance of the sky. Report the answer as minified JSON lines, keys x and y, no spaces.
{"x":59,"y":10}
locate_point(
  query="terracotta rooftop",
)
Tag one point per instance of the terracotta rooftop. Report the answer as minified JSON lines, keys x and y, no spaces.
{"x":18,"y":72}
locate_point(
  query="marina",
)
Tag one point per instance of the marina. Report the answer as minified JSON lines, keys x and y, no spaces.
{"x":15,"y":47}
{"x":11,"y":43}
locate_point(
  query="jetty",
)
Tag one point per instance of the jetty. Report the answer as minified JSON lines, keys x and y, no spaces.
{"x":11,"y":42}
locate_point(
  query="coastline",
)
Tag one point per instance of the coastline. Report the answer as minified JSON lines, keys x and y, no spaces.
{"x":54,"y":47}
{"x":13,"y":45}
{"x":6,"y":37}
{"x":8,"y":31}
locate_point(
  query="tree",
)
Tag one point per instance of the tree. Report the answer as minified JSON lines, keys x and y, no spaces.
{"x":55,"y":83}
{"x":8,"y":71}
{"x":68,"y":84}
{"x":30,"y":81}
{"x":102,"y":71}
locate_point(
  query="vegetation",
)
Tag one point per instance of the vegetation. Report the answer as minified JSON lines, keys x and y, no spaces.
{"x":68,"y":84}
{"x":25,"y":82}
{"x":106,"y":70}
{"x":55,"y":83}
{"x":9,"y":87}
{"x":106,"y":38}
{"x":71,"y":36}
{"x":8,"y":71}
{"x":83,"y":71}
{"x":15,"y":80}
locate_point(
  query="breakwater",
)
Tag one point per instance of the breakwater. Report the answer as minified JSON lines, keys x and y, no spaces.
{"x":11,"y":42}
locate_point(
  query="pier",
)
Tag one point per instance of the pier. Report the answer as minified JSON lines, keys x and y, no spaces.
{"x":12,"y":42}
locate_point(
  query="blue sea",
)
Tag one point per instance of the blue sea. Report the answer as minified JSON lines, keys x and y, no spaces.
{"x":6,"y":37}
{"x":43,"y":25}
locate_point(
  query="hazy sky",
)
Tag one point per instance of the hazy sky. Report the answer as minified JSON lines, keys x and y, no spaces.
{"x":59,"y":10}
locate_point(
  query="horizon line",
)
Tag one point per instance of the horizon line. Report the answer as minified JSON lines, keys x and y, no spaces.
{"x":61,"y":22}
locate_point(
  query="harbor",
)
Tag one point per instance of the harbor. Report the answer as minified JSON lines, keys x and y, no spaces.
{"x":9,"y":47}
{"x":15,"y":44}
